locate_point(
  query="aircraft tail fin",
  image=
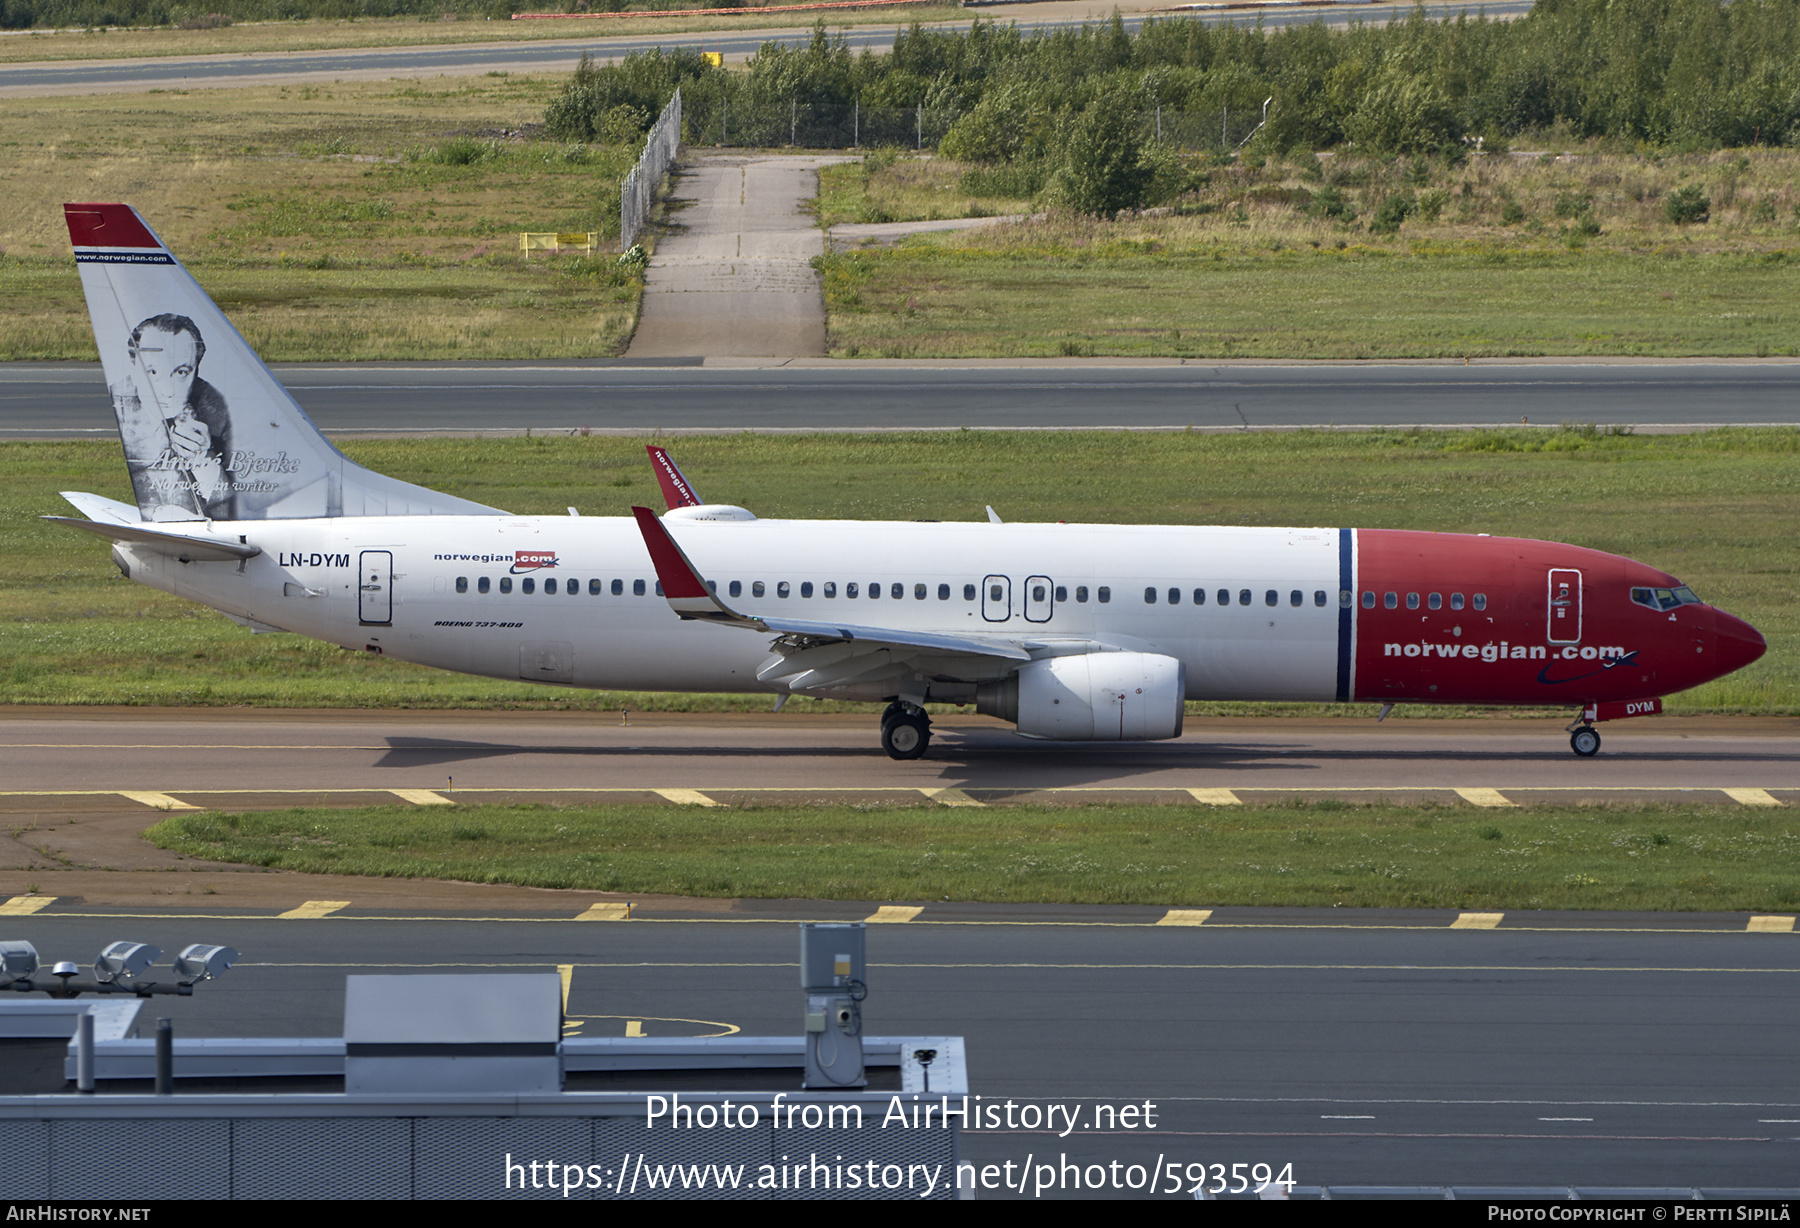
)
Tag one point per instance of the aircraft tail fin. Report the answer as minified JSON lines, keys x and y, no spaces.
{"x":209,"y":433}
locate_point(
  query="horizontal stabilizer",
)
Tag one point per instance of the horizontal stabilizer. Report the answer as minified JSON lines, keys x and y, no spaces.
{"x":96,"y":507}
{"x":175,"y":545}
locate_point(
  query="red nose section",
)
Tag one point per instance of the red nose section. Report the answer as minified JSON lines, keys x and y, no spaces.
{"x":1737,"y":642}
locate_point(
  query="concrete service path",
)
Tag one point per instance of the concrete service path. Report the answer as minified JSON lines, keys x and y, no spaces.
{"x":733,"y":276}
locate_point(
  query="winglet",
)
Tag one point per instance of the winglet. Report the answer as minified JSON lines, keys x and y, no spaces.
{"x":687,"y":593}
{"x":677,"y":490}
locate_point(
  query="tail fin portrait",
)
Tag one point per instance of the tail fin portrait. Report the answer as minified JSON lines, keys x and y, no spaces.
{"x":209,"y":433}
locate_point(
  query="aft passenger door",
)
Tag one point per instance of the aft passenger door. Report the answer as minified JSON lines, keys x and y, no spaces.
{"x":996,"y":599}
{"x":1565,"y":606}
{"x":375,"y":588}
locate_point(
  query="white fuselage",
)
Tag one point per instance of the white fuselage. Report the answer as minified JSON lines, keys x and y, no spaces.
{"x":583,"y":607}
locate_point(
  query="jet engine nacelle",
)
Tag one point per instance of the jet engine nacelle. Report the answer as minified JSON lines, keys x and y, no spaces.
{"x":1094,"y":697}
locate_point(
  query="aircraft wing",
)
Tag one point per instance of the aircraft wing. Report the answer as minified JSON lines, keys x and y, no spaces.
{"x":690,"y":598}
{"x":175,"y":545}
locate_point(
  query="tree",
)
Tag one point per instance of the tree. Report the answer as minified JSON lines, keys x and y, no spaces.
{"x":1104,"y":167}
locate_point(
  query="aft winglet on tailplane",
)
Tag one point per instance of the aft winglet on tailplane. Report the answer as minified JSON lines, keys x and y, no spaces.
{"x":209,"y":432}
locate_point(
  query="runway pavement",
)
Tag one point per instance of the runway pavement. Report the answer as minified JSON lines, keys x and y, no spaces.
{"x":50,"y":400}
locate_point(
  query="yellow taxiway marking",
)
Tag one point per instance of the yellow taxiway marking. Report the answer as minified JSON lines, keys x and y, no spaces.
{"x":162,"y":801}
{"x":1477,"y":920}
{"x":312,"y":909}
{"x":951,"y":797}
{"x":686,"y":797}
{"x":1752,"y":797}
{"x":607,"y":911}
{"x":1485,"y":797}
{"x":1185,"y":916}
{"x":892,"y":912}
{"x":566,"y":973}
{"x":1770,"y":925}
{"x":25,"y":905}
{"x":422,"y":797}
{"x":1215,"y":797}
{"x":634,"y":1027}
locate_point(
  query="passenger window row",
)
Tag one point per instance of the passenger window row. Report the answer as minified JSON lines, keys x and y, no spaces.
{"x":1433,"y":601}
{"x":1271,"y":597}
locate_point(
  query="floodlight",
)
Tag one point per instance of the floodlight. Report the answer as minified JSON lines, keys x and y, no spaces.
{"x":202,"y":963}
{"x":125,"y":959}
{"x":17,"y":960}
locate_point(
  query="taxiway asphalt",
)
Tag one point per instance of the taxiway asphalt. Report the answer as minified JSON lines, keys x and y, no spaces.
{"x":673,"y":395}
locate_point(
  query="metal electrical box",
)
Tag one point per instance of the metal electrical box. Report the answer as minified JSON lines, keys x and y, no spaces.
{"x":831,"y":956}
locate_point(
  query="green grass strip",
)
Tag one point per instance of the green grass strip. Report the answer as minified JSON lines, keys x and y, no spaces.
{"x":1323,"y":852}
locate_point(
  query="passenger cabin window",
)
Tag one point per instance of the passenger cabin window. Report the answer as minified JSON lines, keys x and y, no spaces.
{"x":1412,"y":601}
{"x":481,"y":585}
{"x":1390,"y":601}
{"x":1435,"y":601}
{"x":852,"y":589}
{"x":831,"y":588}
{"x":637,"y":588}
{"x":875,"y":590}
{"x":1174,"y":596}
{"x":462,"y":584}
{"x":1319,"y":598}
{"x":968,"y":592}
{"x":1062,"y":593}
{"x":897,"y":591}
{"x":1368,"y":601}
{"x":1481,"y":601}
{"x":920,"y":592}
{"x":1103,"y":594}
{"x":1224,"y":596}
{"x":756,"y":588}
{"x":1243,"y":596}
{"x":1296,"y":597}
{"x":527,"y":585}
{"x":1456,"y":601}
{"x":1081,"y":593}
{"x":1199,"y":596}
{"x":943,"y":592}
{"x":735,"y":588}
{"x":549,"y":587}
{"x":618,"y":588}
{"x":506,"y":584}
{"x":1271,"y":599}
{"x":1149,"y":596}
{"x":593,"y":588}
{"x":571,"y":587}
{"x":781,"y":589}
{"x":805,"y":589}
{"x":658,"y":586}
{"x":996,"y":592}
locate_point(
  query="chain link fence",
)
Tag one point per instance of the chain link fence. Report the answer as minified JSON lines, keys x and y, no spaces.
{"x":639,"y":191}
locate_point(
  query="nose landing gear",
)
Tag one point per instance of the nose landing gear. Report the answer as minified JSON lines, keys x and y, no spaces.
{"x":905,"y":731}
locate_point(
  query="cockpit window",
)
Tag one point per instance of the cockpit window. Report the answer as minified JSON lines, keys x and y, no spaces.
{"x":1664,"y":598}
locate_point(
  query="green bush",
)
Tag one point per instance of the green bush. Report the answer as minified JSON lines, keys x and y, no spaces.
{"x":1104,"y":169}
{"x":1687,"y":205}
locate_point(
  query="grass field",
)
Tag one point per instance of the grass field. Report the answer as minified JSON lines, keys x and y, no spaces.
{"x":325,"y":34}
{"x":358,"y":220}
{"x":1319,"y":853}
{"x":1498,"y":256}
{"x":1717,"y":509}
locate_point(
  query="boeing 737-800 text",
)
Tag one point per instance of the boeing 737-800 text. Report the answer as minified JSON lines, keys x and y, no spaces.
{"x":1072,"y":632}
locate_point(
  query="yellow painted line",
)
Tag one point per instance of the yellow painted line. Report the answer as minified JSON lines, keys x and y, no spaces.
{"x":1770,"y":925}
{"x":1752,"y":797}
{"x":162,"y":801}
{"x":567,"y":973}
{"x":607,"y":911}
{"x":1215,"y":797}
{"x":1477,"y":920}
{"x":25,"y":905}
{"x":422,"y":797}
{"x":686,"y":797}
{"x":1185,"y":916}
{"x":313,"y":909}
{"x":892,"y":912}
{"x":634,"y":1027}
{"x":1484,"y":797}
{"x":951,"y":797}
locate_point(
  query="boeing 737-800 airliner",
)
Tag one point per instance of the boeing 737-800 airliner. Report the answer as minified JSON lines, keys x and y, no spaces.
{"x":1071,"y":632}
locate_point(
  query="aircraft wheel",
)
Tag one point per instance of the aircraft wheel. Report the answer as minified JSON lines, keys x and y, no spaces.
{"x":1585,"y":742}
{"x":906,"y":736}
{"x":893,"y":710}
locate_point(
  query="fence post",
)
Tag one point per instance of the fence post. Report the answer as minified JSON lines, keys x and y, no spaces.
{"x":1223,"y":121}
{"x":856,"y":124}
{"x":920,"y":138}
{"x":1159,"y":123}
{"x":725,"y":113}
{"x":793,"y":116}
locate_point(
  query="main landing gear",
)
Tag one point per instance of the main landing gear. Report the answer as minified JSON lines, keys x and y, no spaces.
{"x":905,"y":731}
{"x":1585,"y":742}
